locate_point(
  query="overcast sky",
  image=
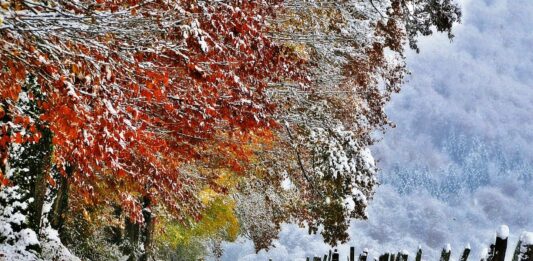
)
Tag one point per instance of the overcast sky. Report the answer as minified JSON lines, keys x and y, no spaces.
{"x":459,"y":164}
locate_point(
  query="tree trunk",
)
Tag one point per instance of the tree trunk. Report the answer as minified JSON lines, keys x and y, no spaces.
{"x":148,"y":230}
{"x":60,"y":205}
{"x":132,"y":239}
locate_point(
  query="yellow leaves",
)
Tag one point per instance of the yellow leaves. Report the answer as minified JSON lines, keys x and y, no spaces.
{"x":301,"y":50}
{"x":207,"y":195}
{"x":5,"y":5}
{"x":219,"y":222}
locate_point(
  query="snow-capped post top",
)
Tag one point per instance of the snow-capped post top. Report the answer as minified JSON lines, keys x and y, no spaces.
{"x":448,"y":248}
{"x":526,"y":238}
{"x":503,"y":232}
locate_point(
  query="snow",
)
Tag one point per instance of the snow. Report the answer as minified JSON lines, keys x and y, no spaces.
{"x":15,"y":247}
{"x":110,"y":107}
{"x":503,"y":232}
{"x":448,"y":248}
{"x":287,"y":184}
{"x":71,"y":92}
{"x":484,"y":253}
{"x":203,"y":45}
{"x":366,"y":155}
{"x":527,"y":238}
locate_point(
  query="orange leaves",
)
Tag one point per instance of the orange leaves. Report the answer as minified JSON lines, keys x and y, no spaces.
{"x":17,"y":138}
{"x":3,"y":180}
{"x":172,"y":99}
{"x":50,"y":180}
{"x":121,"y":173}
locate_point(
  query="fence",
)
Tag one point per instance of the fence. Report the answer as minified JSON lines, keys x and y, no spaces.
{"x":495,"y":252}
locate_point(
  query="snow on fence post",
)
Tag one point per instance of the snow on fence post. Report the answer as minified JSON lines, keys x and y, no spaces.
{"x":363,"y":256}
{"x":466,"y":253}
{"x":403,"y":255}
{"x":419,"y":254}
{"x":524,"y":248}
{"x":446,"y":253}
{"x":500,"y":247}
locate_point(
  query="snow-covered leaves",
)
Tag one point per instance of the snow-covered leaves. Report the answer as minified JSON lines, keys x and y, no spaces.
{"x":133,"y":87}
{"x":155,"y":99}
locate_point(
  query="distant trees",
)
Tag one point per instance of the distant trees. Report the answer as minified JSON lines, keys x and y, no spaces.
{"x":136,"y":108}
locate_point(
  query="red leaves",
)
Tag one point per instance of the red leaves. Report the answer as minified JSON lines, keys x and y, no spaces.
{"x":17,"y":138}
{"x":3,"y":180}
{"x":121,"y":173}
{"x":172,"y":99}
{"x":50,"y":180}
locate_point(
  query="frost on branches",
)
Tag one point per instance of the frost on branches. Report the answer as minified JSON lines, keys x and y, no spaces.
{"x":353,"y":53}
{"x":118,"y":115}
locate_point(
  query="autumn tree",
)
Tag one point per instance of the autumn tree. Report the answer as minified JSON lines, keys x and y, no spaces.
{"x":135,"y":90}
{"x":135,"y":109}
{"x":354,"y":62}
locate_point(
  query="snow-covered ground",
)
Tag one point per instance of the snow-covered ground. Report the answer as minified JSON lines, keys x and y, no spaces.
{"x":460,"y":163}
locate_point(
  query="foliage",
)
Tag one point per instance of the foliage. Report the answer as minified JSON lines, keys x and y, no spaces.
{"x":155,"y":125}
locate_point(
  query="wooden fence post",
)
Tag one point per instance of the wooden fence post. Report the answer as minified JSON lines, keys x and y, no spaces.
{"x":335,"y":256}
{"x":500,"y":247}
{"x":352,"y":253}
{"x":384,"y":257}
{"x":446,"y":253}
{"x":403,"y":255}
{"x":466,"y":253}
{"x":363,"y":256}
{"x":419,"y":254}
{"x":524,"y":248}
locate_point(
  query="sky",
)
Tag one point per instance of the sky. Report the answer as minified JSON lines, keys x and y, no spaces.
{"x":459,"y":163}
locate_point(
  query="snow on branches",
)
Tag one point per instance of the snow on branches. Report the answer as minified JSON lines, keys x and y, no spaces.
{"x":143,"y":104}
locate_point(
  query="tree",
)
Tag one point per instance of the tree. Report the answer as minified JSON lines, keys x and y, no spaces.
{"x":143,"y":105}
{"x":135,"y":90}
{"x":354,"y":62}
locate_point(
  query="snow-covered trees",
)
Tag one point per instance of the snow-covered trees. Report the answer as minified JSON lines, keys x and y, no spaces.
{"x":141,"y":106}
{"x":354,"y":61}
